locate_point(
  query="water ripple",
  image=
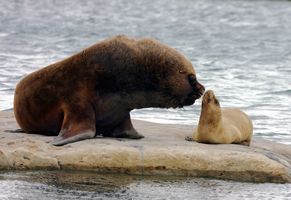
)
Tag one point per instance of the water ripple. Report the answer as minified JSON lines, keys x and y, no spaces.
{"x":240,"y":49}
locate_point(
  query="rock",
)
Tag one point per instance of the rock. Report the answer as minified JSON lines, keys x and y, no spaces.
{"x":163,"y":151}
{"x":4,"y":163}
{"x":22,"y":158}
{"x":100,"y":158}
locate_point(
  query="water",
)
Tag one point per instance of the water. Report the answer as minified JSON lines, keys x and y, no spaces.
{"x":86,"y":185}
{"x":240,"y":49}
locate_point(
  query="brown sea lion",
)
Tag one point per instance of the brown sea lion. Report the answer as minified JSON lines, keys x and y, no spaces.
{"x":91,"y":93}
{"x":222,"y":126}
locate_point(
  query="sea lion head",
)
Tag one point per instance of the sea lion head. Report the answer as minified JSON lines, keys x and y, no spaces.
{"x":185,"y":88}
{"x":172,"y":75}
{"x":149,"y":74}
{"x":211,"y":111}
{"x":210,"y":101}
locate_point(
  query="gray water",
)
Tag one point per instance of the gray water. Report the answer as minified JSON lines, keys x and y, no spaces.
{"x":89,"y":185}
{"x":240,"y":49}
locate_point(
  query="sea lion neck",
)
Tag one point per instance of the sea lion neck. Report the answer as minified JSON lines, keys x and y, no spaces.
{"x":210,"y":114}
{"x":142,"y":99}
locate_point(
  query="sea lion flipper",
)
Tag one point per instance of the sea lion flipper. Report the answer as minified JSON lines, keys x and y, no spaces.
{"x":125,"y":129}
{"x":65,"y":138}
{"x":76,"y":126}
{"x":15,"y":131}
{"x":189,"y":139}
{"x":131,"y":134}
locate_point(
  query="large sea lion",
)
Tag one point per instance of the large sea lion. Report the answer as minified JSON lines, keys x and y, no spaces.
{"x":222,"y":126}
{"x":91,"y":93}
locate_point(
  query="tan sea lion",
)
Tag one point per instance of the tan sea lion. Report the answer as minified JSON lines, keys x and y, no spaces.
{"x":222,"y":126}
{"x":92,"y":93}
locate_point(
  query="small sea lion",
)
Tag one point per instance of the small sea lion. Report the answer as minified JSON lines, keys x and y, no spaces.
{"x":92,"y":92}
{"x":222,"y":126}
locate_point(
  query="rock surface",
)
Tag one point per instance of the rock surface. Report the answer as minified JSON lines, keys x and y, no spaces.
{"x":162,"y":151}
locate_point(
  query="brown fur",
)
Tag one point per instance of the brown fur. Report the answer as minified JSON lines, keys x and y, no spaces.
{"x":222,"y":126}
{"x":93,"y":91}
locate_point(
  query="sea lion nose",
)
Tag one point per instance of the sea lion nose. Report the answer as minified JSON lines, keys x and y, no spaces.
{"x":200,"y":88}
{"x":197,"y":87}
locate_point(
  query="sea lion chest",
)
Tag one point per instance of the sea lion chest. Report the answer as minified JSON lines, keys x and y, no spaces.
{"x":111,"y":110}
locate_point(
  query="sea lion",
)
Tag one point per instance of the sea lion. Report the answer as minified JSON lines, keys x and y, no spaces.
{"x":92,"y":92}
{"x":222,"y":126}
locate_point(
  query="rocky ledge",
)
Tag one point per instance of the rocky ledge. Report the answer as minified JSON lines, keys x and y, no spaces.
{"x":162,"y":151}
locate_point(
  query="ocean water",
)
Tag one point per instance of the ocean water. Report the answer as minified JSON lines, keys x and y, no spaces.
{"x":89,"y":185}
{"x":240,"y":49}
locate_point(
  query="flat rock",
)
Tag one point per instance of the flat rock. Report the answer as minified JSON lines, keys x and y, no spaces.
{"x":163,"y":151}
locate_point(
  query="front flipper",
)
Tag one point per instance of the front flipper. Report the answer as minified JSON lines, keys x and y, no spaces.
{"x":189,"y":139}
{"x":125,"y":130}
{"x":78,"y":124}
{"x":66,"y":137}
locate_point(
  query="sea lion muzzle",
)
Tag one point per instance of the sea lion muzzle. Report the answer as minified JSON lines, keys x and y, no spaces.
{"x":198,"y":88}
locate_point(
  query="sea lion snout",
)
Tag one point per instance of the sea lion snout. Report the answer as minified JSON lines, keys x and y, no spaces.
{"x":198,"y":88}
{"x":195,"y":91}
{"x":209,"y":97}
{"x":209,"y":94}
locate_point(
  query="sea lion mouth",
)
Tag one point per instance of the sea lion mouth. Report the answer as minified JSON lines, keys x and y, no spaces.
{"x":197,"y":90}
{"x":192,"y":97}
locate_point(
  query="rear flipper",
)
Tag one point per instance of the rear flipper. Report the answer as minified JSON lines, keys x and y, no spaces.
{"x":125,"y":130}
{"x":78,"y":124}
{"x":15,"y":131}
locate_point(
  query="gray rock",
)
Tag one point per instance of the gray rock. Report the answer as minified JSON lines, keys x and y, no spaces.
{"x":163,"y":151}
